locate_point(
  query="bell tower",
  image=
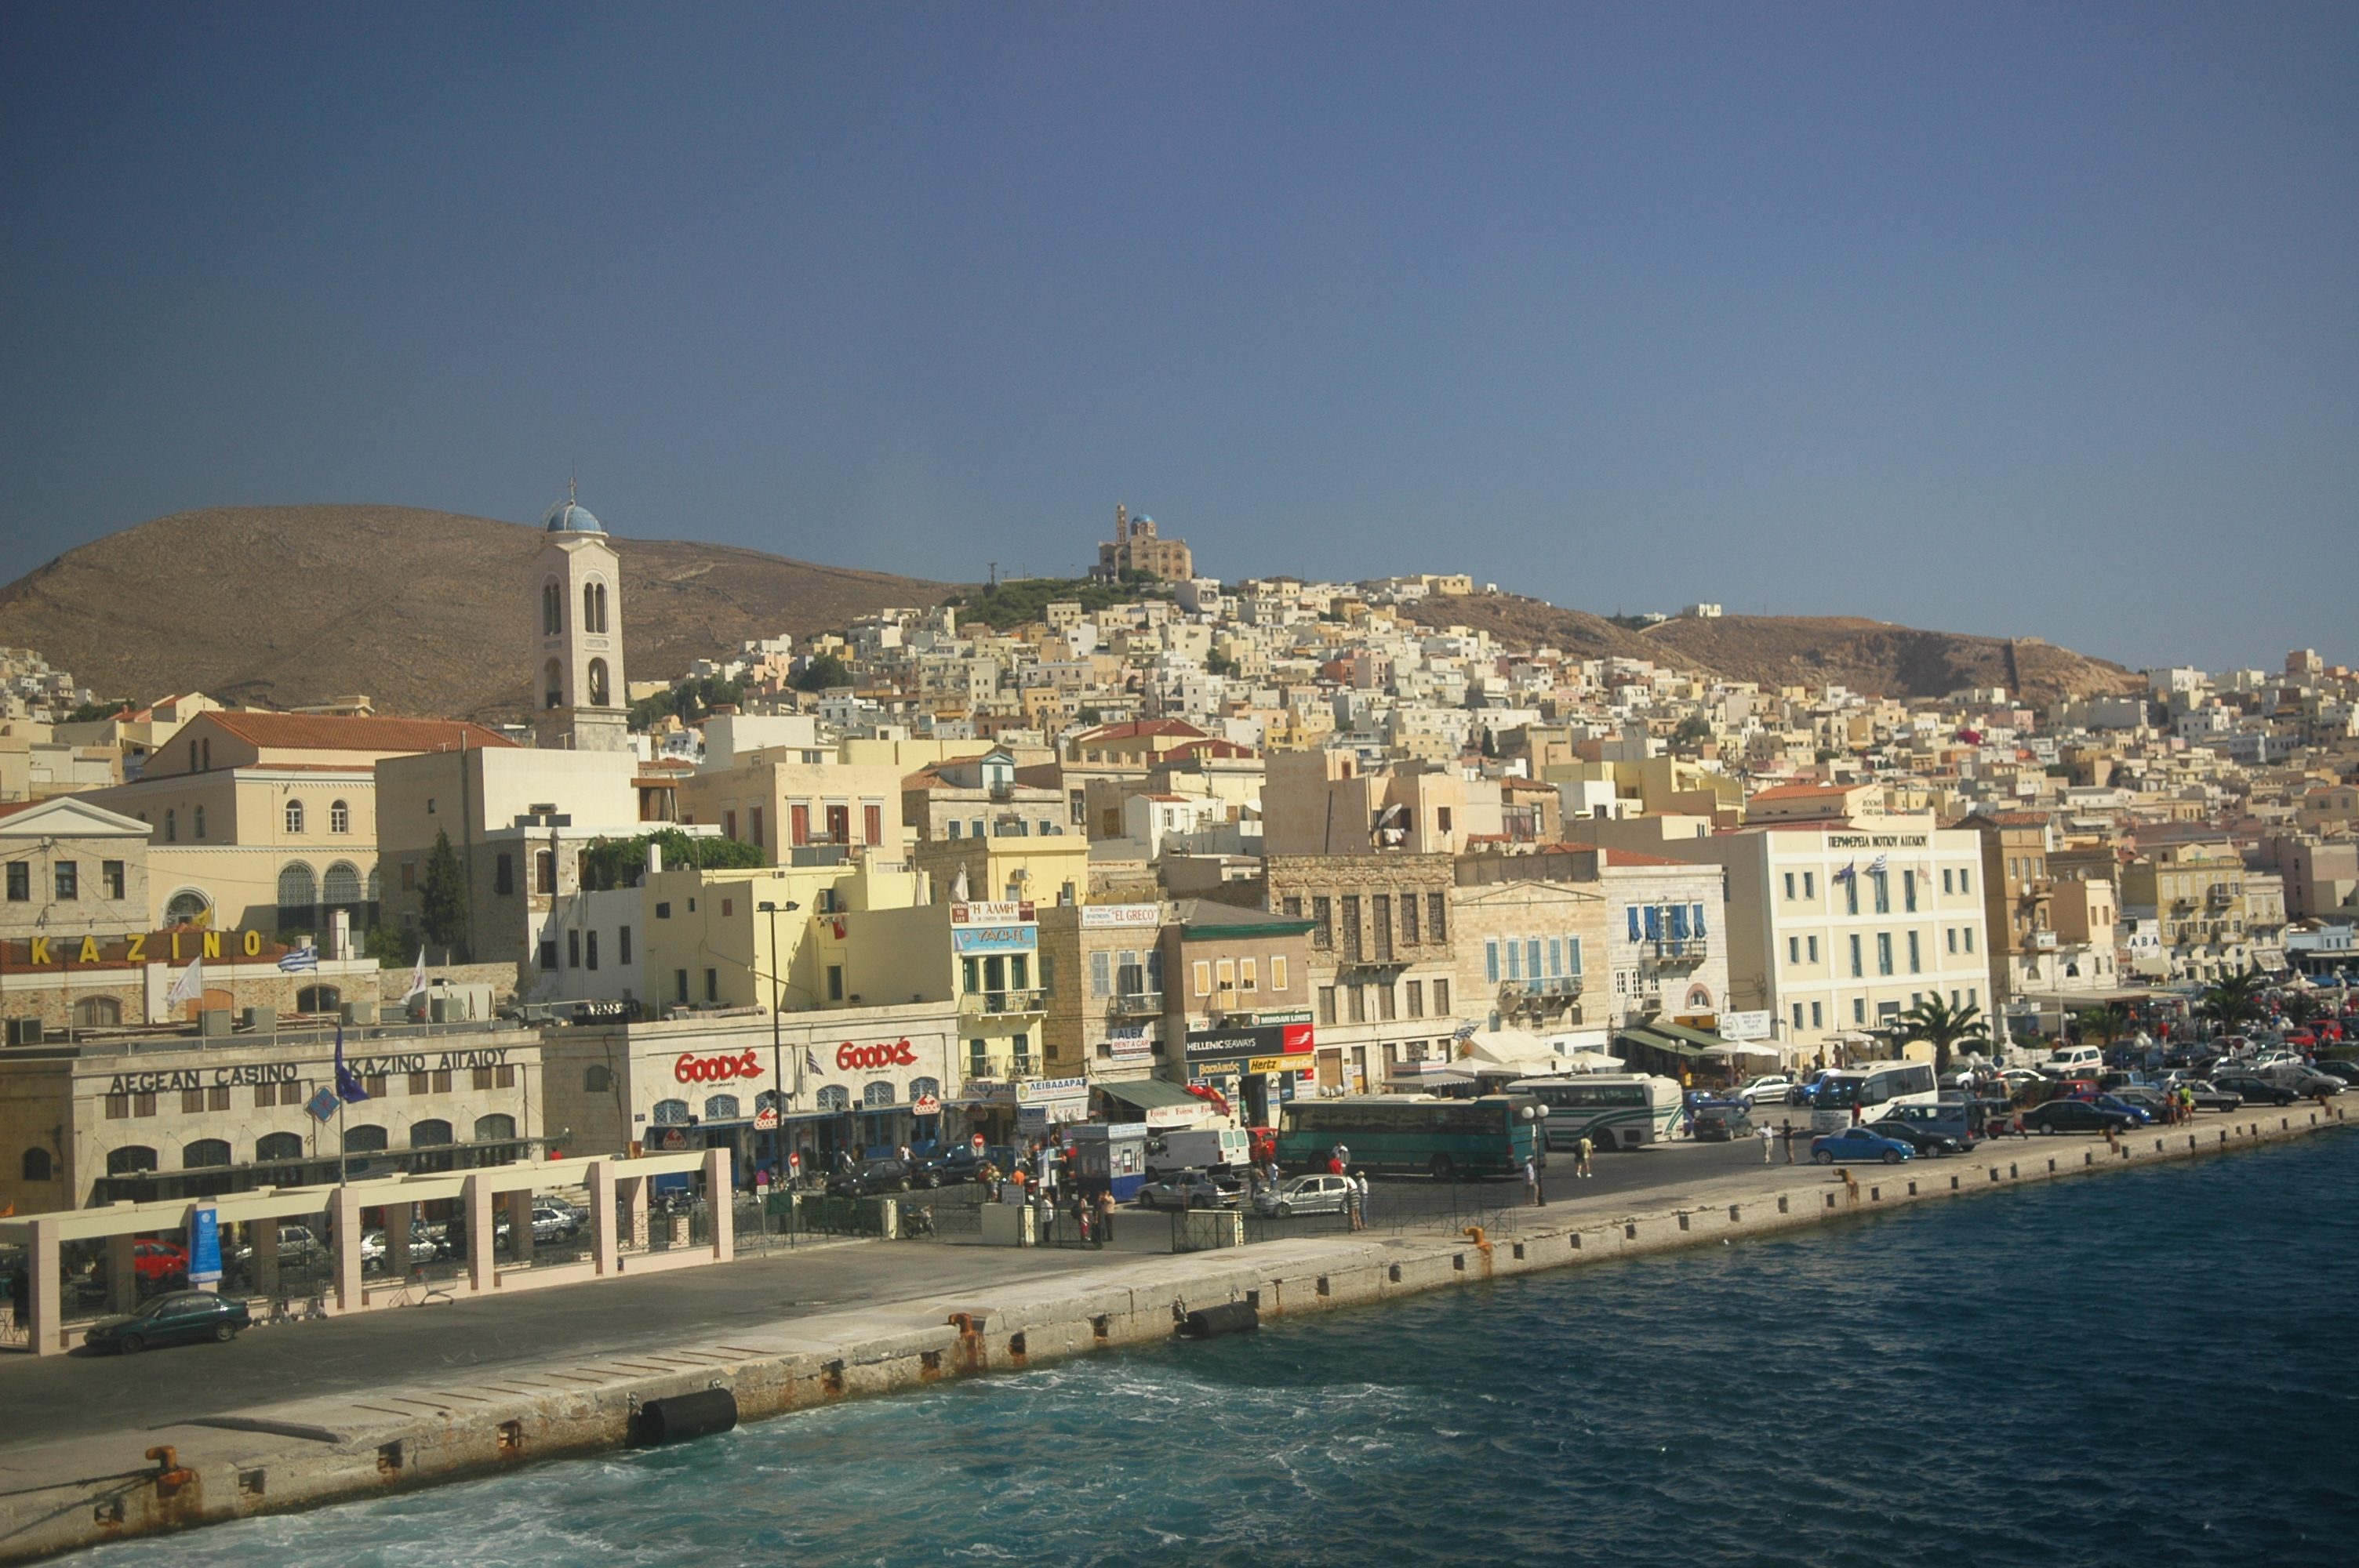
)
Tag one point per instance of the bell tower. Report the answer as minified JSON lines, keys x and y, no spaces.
{"x":579,"y":697}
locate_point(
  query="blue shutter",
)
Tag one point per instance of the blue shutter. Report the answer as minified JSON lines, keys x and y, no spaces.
{"x":1654,"y":922}
{"x":1632,"y":913}
{"x":1695,"y":919}
{"x":1491,"y":962}
{"x":1572,"y":952}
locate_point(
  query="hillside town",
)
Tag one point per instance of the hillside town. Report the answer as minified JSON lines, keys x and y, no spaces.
{"x":1147,"y":845}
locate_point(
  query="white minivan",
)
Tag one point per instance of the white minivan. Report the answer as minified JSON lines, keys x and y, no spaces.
{"x":2066,"y":1060}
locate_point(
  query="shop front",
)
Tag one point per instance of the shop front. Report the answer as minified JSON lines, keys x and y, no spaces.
{"x":1255,"y":1068}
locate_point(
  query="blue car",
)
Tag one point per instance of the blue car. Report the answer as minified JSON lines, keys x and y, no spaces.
{"x":1859,"y":1143}
{"x":2138,"y":1113}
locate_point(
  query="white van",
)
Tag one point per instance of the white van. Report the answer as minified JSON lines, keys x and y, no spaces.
{"x":1200,"y":1149}
{"x":2066,"y":1061}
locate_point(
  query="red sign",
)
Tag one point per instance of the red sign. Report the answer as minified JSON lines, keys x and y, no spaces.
{"x":900,"y":1054}
{"x":694,"y":1069}
{"x":675,"y":1138}
{"x":978,"y":1142}
{"x":766,"y":1119}
{"x":795,"y":1161}
{"x":925,"y":1105}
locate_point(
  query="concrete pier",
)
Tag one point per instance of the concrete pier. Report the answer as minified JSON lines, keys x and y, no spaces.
{"x":1005,"y":1311}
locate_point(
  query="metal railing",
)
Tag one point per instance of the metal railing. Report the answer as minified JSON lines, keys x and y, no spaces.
{"x":1136,"y":1004}
{"x":1553,"y":985}
{"x":1676,"y":949}
{"x":1003,"y":1002}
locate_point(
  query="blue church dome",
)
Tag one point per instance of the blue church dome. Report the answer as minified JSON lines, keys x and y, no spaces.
{"x":570,"y":516}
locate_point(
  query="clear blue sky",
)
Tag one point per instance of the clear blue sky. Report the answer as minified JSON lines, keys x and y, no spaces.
{"x":2021,"y":321}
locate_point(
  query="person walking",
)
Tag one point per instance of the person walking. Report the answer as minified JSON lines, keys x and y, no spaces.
{"x":1353,"y":1216}
{"x":1581,"y":1151}
{"x":1105,"y":1214}
{"x":1765,"y":1145}
{"x":1785,"y":1131}
{"x":1531,"y":1183}
{"x":1360,"y":1188}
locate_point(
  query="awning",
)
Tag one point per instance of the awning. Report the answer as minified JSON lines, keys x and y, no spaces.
{"x":1149,"y":1094}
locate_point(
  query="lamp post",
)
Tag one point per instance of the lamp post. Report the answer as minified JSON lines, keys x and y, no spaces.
{"x":777,"y":1070}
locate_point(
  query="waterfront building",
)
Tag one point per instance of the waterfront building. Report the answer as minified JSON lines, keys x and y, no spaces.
{"x":137,"y":1117}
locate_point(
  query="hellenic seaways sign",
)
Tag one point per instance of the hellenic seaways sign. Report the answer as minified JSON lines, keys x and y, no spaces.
{"x":1245,"y":1042}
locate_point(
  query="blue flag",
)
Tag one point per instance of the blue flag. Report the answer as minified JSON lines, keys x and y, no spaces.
{"x":348,"y":1087}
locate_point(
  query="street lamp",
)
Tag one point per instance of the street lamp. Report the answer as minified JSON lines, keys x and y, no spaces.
{"x":777,"y":1070}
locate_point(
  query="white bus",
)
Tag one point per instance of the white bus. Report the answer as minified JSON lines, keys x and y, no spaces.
{"x":1872,"y":1088}
{"x":1616,"y":1111}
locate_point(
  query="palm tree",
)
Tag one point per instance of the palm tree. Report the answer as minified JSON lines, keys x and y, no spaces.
{"x":2235,"y":1001}
{"x":1945,"y":1027}
{"x":2105,"y":1025}
{"x":2301,"y":1007}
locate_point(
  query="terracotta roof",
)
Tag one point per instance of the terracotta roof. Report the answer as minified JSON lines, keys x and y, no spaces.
{"x":1804,"y":791}
{"x":1641,"y":858}
{"x":322,"y":732}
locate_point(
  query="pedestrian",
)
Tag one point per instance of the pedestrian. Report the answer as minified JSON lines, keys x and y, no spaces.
{"x":1581,"y":1151}
{"x":1353,"y":1211}
{"x":1360,"y":1190}
{"x":1531,"y":1183}
{"x":1765,"y":1145}
{"x":1105,"y":1214}
{"x":1785,"y":1131}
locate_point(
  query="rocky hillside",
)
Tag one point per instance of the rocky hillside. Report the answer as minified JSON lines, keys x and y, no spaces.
{"x":427,"y":613}
{"x":1869,"y":657}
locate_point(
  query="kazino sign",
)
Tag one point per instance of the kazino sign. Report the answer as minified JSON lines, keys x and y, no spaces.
{"x":694,"y":1069}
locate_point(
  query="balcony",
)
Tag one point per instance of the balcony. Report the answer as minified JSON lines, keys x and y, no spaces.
{"x":1004,"y":1004}
{"x":1135,"y":1004}
{"x":1673,"y":950}
{"x":1553,"y":989}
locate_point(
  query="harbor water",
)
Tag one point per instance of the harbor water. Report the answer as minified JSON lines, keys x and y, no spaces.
{"x":2151,"y":1367}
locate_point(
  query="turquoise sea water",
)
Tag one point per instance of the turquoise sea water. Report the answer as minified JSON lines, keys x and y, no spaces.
{"x":2152,"y":1367}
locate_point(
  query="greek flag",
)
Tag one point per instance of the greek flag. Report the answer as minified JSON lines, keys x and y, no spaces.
{"x":1875,"y":867}
{"x":305,"y":957}
{"x":1467,"y":1030}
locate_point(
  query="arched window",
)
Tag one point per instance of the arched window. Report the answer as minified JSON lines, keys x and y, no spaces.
{"x":670,"y":1113}
{"x":37,"y":1164}
{"x":294,"y":817}
{"x":198,"y":813}
{"x":204,"y":1153}
{"x":494,"y":1129}
{"x":187,"y":905}
{"x":602,"y":607}
{"x":319,"y":999}
{"x":297,"y":895}
{"x":552,"y":609}
{"x":721,"y":1108}
{"x":339,"y":817}
{"x":429,"y":1134}
{"x":171,"y":825}
{"x":366,"y":1140}
{"x":97,"y":1012}
{"x":1700,"y":999}
{"x":341,"y":887}
{"x":597,"y":683}
{"x":130,"y":1160}
{"x":835,"y":1097}
{"x":597,"y":1080}
{"x":372,"y":885}
{"x":925,"y":1088}
{"x":272,"y":1147}
{"x":879,"y":1093}
{"x":553,"y":677}
{"x":593,"y":607}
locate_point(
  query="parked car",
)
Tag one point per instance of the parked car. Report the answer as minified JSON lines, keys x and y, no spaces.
{"x":2073,"y":1061}
{"x":295,"y":1243}
{"x":159,"y":1261}
{"x":2154,"y":1102}
{"x":2139,"y":1114}
{"x":176,"y":1319}
{"x":2253,"y":1090}
{"x":962,"y":1163}
{"x":868,"y":1178}
{"x":1304,"y":1195}
{"x":550,"y":1223}
{"x":2076,"y":1115}
{"x":2210,"y":1095}
{"x":1718,"y":1123}
{"x":1773,"y":1088}
{"x":424,"y":1246}
{"x":1923,"y":1140}
{"x":1189,"y":1189}
{"x":1859,"y":1143}
{"x":2341,"y":1067}
{"x":2307,"y":1082}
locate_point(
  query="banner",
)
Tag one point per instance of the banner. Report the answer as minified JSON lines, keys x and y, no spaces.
{"x":1244,"y":1044}
{"x":995,"y":938}
{"x":1124,"y":916}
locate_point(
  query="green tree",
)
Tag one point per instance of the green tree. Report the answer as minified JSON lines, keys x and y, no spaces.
{"x":1693,"y":730}
{"x":2300,"y":1007}
{"x":825,"y":671}
{"x":444,"y":897}
{"x":1490,"y":744}
{"x":1945,"y":1027}
{"x":618,"y":862}
{"x":2104,"y":1026}
{"x":2235,"y":1001}
{"x":390,"y":947}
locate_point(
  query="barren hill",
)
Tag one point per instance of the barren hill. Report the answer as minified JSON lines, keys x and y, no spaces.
{"x":427,"y":612}
{"x":1869,"y":657}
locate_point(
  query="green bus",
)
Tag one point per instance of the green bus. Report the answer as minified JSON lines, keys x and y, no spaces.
{"x":1615,"y":1110}
{"x":1420,"y":1135}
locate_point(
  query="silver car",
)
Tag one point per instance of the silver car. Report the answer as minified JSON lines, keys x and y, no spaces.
{"x":1304,"y":1195}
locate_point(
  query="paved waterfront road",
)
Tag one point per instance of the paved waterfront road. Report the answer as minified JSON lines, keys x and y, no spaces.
{"x":55,"y":1398}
